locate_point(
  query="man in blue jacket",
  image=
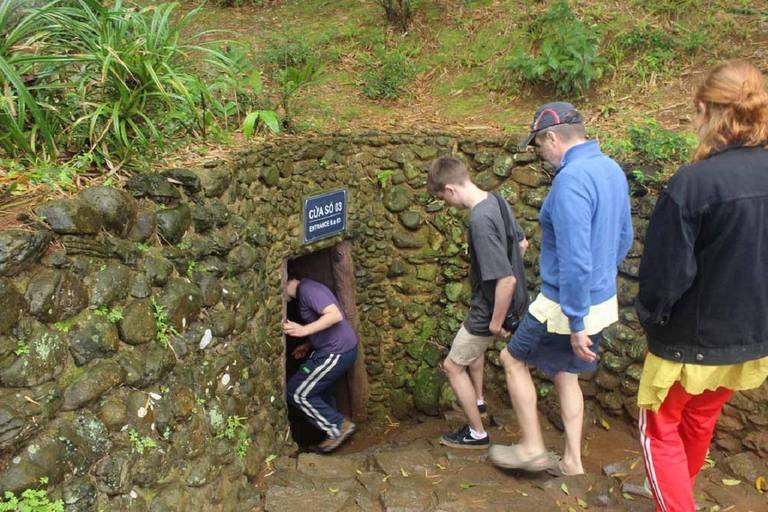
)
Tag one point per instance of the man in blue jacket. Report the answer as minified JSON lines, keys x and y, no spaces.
{"x":586,"y":230}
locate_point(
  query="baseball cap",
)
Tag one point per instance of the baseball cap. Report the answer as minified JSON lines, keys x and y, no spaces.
{"x":553,"y":114}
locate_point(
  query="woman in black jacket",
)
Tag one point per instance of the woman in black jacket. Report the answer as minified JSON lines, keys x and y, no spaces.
{"x":703,"y":297}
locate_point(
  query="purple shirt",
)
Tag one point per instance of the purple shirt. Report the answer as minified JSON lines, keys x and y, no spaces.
{"x":313,"y":299}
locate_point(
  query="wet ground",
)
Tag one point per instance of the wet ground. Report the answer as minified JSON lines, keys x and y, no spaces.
{"x":402,"y":467}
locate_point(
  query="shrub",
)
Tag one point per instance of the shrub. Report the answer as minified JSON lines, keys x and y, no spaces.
{"x":568,"y":53}
{"x":387,"y":74}
{"x":286,"y":50}
{"x":652,"y":144}
{"x":399,"y":12}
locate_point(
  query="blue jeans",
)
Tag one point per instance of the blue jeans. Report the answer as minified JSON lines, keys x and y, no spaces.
{"x":309,"y":389}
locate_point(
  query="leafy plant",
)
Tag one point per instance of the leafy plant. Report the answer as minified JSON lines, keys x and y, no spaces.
{"x":164,"y":329}
{"x":191,"y":268}
{"x":387,"y":74}
{"x":293,"y":79}
{"x":384,"y":177}
{"x":398,"y":12}
{"x":107,"y":81}
{"x":140,"y":444}
{"x":236,"y":428}
{"x":653,"y":144}
{"x":21,"y":348}
{"x":31,"y":500}
{"x":567,"y":57}
{"x":114,"y":315}
{"x":287,"y":49}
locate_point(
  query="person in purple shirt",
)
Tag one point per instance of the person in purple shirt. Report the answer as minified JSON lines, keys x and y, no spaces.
{"x":333,"y":346}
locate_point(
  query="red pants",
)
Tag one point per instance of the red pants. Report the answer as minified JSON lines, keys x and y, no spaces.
{"x":675,"y":442}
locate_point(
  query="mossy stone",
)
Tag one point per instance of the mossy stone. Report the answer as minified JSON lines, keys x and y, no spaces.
{"x":426,"y":390}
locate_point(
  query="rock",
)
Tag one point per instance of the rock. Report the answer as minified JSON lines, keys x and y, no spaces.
{"x":315,"y":465}
{"x":153,"y":186}
{"x":47,"y":358}
{"x":79,"y":494}
{"x":453,"y":291}
{"x":270,"y":175}
{"x":286,"y":499}
{"x":398,"y":198}
{"x":20,"y":249}
{"x":411,"y":219}
{"x":184,"y":177}
{"x":110,"y":285}
{"x":113,"y":474}
{"x":533,"y":197}
{"x":402,"y":154}
{"x":408,"y":500}
{"x":13,"y":426}
{"x":172,"y":223}
{"x":485,"y":180}
{"x":113,"y":415}
{"x":12,"y":305}
{"x":215,"y":183}
{"x":55,"y":295}
{"x":527,"y":157}
{"x":502,"y":165}
{"x":138,"y":325}
{"x":744,"y":466}
{"x":85,"y":440}
{"x":201,"y":472}
{"x":241,"y":259}
{"x":118,"y":210}
{"x":145,"y":227}
{"x":70,"y":217}
{"x":40,"y":459}
{"x":426,"y":390}
{"x":403,"y":240}
{"x":210,"y":287}
{"x":401,"y":403}
{"x":92,"y":385}
{"x":425,"y":152}
{"x":202,"y":219}
{"x":529,"y":176}
{"x":97,"y":339}
{"x":141,"y":289}
{"x":158,"y":270}
{"x":412,"y":460}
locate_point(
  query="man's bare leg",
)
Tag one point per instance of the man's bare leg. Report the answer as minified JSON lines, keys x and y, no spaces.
{"x":572,"y":411}
{"x":522,"y":392}
{"x":476,"y":375}
{"x":462,"y":386}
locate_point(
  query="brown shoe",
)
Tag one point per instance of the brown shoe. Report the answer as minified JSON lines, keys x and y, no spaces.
{"x":330,"y":444}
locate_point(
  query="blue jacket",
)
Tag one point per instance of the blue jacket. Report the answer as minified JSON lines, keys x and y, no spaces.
{"x":586,"y":230}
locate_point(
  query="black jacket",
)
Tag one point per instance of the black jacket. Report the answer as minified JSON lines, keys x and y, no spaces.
{"x":704,"y":273}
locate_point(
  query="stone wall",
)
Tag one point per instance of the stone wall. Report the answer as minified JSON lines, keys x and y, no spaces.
{"x":141,"y":353}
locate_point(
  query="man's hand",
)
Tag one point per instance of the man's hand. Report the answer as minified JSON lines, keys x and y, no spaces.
{"x":294,"y":329}
{"x":498,"y":330}
{"x":302,"y":350}
{"x":580,"y":343}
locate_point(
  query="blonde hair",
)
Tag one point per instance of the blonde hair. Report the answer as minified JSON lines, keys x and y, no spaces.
{"x":735,"y":107}
{"x":447,"y":170}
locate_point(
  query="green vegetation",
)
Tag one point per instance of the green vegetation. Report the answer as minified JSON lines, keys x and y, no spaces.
{"x":140,"y":444}
{"x":110,"y":84}
{"x":21,"y":348}
{"x":31,"y":500}
{"x":567,"y":58}
{"x":236,"y":428}
{"x":387,"y":74}
{"x":398,"y":12}
{"x":164,"y":329}
{"x":114,"y":315}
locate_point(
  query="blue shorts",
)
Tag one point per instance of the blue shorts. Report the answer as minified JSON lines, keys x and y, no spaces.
{"x":547,"y":351}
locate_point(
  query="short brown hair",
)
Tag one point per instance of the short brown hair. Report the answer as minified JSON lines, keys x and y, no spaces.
{"x":736,"y":102}
{"x":447,"y":170}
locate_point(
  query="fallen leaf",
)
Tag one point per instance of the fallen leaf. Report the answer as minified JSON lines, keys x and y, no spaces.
{"x":564,"y":488}
{"x":760,"y":484}
{"x":628,"y":496}
{"x":467,"y":486}
{"x":582,"y":503}
{"x":571,"y":509}
{"x":404,"y":473}
{"x":358,"y":472}
{"x":635,"y":463}
{"x":440,"y":466}
{"x":731,"y":482}
{"x":605,"y":424}
{"x":385,"y":478}
{"x":333,"y":490}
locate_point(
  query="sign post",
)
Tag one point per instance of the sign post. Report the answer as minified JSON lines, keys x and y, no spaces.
{"x":325,"y":215}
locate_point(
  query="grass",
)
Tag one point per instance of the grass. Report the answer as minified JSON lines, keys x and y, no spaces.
{"x":458,"y":50}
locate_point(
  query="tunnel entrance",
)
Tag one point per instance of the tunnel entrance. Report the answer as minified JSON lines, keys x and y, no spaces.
{"x":333,"y":267}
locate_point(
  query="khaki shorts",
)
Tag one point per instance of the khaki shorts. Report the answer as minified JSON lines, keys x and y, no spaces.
{"x":466,"y":347}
